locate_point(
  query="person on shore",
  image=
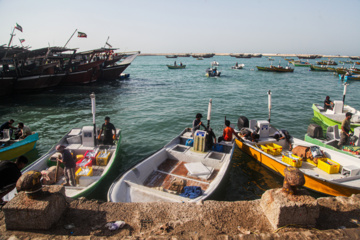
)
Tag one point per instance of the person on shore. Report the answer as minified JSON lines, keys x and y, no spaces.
{"x":23,"y":131}
{"x":7,"y":125}
{"x":328,"y":104}
{"x":69,"y":165}
{"x":228,"y":133}
{"x":197,"y":124}
{"x":107,"y":128}
{"x":345,"y":130}
{"x":10,"y":172}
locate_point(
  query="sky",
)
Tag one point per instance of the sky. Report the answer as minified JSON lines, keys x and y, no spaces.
{"x":188,"y":26}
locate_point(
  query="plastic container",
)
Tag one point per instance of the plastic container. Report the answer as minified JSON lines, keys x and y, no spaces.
{"x":274,"y":149}
{"x":328,"y":165}
{"x":292,"y":160}
{"x":79,"y":157}
{"x":189,"y":142}
{"x":311,"y":162}
{"x":102,"y":158}
{"x":85,"y":162}
{"x":218,"y":148}
{"x":91,"y":154}
{"x":80,"y":173}
{"x":264,"y":148}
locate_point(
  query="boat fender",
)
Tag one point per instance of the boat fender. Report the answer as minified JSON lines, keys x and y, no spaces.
{"x":243,"y":122}
{"x":315,"y":131}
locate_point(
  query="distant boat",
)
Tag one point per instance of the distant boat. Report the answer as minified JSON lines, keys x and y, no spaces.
{"x":239,"y":66}
{"x":275,"y":69}
{"x":212,"y":72}
{"x":214,"y":63}
{"x":299,"y":63}
{"x":270,"y":59}
{"x":11,"y":149}
{"x":200,"y":58}
{"x":309,"y":56}
{"x":352,"y":77}
{"x":316,"y":68}
{"x":330,"y":62}
{"x":176,"y":66}
{"x":171,"y":56}
{"x":354,"y":58}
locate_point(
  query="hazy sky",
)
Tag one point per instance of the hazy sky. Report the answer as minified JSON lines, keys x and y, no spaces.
{"x":188,"y":26}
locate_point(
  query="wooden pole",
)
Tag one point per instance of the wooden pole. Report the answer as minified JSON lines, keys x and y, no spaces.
{"x":12,"y":35}
{"x":57,"y":170}
{"x":70,"y":38}
{"x":106,"y":41}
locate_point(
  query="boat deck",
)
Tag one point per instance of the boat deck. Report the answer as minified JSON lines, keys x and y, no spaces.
{"x":169,"y":170}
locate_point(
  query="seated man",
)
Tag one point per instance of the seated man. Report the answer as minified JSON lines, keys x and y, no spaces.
{"x":7,"y":125}
{"x":283,"y":134}
{"x":10,"y":172}
{"x":228,"y":133}
{"x":328,"y":104}
{"x":23,"y":132}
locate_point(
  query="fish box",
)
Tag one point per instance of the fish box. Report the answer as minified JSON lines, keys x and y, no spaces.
{"x":102,"y":158}
{"x":88,"y":171}
{"x":264,"y":148}
{"x":79,"y":157}
{"x":328,"y":165}
{"x":311,"y":162}
{"x":274,"y":149}
{"x":92,"y":155}
{"x":292,"y":160}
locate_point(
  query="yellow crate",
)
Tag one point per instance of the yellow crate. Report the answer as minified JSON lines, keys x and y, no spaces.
{"x":294,"y":160}
{"x":102,"y":158}
{"x":78,"y":173}
{"x":264,"y":148}
{"x":311,"y":162}
{"x":274,"y":149}
{"x":328,"y":165}
{"x":80,"y":156}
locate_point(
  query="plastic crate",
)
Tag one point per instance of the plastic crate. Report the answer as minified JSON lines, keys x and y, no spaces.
{"x":78,"y":173}
{"x":328,"y":165}
{"x":292,"y":160}
{"x":311,"y":162}
{"x":274,"y":149}
{"x":102,"y":158}
{"x":264,"y":148}
{"x":91,"y":154}
{"x":79,"y":157}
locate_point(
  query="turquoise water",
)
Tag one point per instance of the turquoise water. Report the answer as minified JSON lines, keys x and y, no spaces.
{"x":156,"y":103}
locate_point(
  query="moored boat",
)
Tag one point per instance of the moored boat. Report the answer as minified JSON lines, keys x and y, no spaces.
{"x":316,"y":68}
{"x":275,"y":69}
{"x":352,"y":77}
{"x":11,"y":149}
{"x":171,"y":56}
{"x":337,"y":115}
{"x":330,"y":62}
{"x":176,"y":66}
{"x":166,"y":174}
{"x":325,"y":170}
{"x":238,"y":66}
{"x":112,"y":72}
{"x":299,"y":63}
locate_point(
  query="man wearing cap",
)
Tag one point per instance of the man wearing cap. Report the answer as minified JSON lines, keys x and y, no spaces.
{"x":197,"y":123}
{"x":345,"y":130}
{"x":69,"y":165}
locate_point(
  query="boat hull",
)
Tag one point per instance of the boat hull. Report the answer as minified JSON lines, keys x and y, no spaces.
{"x":19,"y":148}
{"x":313,"y":183}
{"x":176,"y":67}
{"x":112,"y":73}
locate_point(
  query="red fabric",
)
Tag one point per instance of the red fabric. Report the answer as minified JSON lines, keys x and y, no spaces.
{"x":227,"y":133}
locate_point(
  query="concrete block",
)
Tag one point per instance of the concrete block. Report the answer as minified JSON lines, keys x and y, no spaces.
{"x":23,"y":213}
{"x":282,"y":209}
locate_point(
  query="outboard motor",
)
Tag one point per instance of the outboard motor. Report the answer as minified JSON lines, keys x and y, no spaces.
{"x":315,"y":131}
{"x":242,"y":122}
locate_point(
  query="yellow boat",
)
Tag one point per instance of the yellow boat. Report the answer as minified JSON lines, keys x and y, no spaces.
{"x":11,"y":149}
{"x":344,"y":180}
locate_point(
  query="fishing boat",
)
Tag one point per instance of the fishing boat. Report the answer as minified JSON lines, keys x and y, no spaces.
{"x":238,"y":66}
{"x":315,"y":135}
{"x":316,"y":68}
{"x":354,"y":58}
{"x":214,"y":63}
{"x":337,"y":115}
{"x":200,"y":58}
{"x":330,"y":62}
{"x":352,"y":77}
{"x":335,"y":174}
{"x":299,"y":63}
{"x":11,"y":149}
{"x":176,"y":66}
{"x":176,"y":166}
{"x":311,"y":56}
{"x":212,"y":72}
{"x":94,"y":160}
{"x":275,"y":69}
{"x":114,"y":71}
{"x":171,"y":56}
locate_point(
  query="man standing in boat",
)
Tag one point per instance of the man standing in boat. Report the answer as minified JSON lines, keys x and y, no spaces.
{"x":345,"y":130}
{"x":69,"y":165}
{"x":7,"y":125}
{"x":108,"y":129}
{"x":197,"y":124}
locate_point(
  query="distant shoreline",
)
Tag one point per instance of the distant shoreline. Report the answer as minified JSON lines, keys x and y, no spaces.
{"x":263,"y":54}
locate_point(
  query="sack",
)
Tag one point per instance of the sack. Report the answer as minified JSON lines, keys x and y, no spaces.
{"x":48,"y":176}
{"x":303,"y":152}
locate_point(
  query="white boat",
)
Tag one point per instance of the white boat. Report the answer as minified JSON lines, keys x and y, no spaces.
{"x":214,"y":63}
{"x":212,"y":72}
{"x":80,"y":142}
{"x":239,"y":66}
{"x":152,"y":178}
{"x":336,"y":174}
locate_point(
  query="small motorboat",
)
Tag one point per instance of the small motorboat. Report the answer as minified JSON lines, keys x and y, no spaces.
{"x":200,"y":58}
{"x":212,"y":72}
{"x":11,"y":149}
{"x":238,"y":66}
{"x":325,"y":170}
{"x":184,"y":170}
{"x":214,"y":63}
{"x":275,"y":69}
{"x":176,"y":66}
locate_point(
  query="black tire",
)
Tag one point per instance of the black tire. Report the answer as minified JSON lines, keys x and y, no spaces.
{"x":242,"y":122}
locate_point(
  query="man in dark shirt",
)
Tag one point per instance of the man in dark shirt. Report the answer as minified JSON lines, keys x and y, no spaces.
{"x":328,"y":104}
{"x":108,"y":128}
{"x":69,"y":165}
{"x":10,"y":172}
{"x":7,"y":125}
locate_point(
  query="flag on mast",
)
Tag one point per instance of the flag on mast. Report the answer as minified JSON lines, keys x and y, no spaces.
{"x":18,"y":27}
{"x":22,"y":40}
{"x":82,"y":35}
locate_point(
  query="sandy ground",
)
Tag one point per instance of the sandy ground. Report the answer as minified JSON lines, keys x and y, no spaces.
{"x":339,"y":219}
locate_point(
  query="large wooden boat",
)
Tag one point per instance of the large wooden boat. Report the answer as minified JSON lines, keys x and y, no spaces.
{"x":114,"y":71}
{"x":11,"y":149}
{"x":336,"y":174}
{"x":330,"y":62}
{"x":337,"y":115}
{"x":171,"y":56}
{"x":299,"y":63}
{"x":321,"y":68}
{"x":153,"y":178}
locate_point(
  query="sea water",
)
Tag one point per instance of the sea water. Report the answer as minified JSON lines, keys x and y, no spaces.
{"x":156,"y":103}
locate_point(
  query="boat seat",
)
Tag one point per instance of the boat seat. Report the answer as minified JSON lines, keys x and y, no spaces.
{"x":321,"y":109}
{"x":6,"y":136}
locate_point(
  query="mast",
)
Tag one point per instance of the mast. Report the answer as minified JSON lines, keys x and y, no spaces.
{"x":70,"y":38}
{"x":106,"y":41}
{"x":12,"y":35}
{"x":269,"y":104}
{"x":209,"y":113}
